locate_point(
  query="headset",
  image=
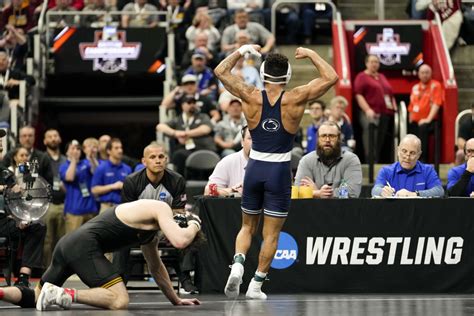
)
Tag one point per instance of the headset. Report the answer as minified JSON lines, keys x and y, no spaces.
{"x":286,"y":78}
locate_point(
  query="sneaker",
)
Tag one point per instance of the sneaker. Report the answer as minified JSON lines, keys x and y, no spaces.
{"x":232,"y":288}
{"x":255,"y":291}
{"x":187,"y":287}
{"x":53,"y":295}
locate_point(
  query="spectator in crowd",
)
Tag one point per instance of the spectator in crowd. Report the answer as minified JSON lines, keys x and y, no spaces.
{"x":77,"y":4}
{"x":408,"y":177}
{"x":202,"y":25}
{"x":189,"y":88}
{"x":191,"y":131}
{"x":338,"y":107}
{"x":141,"y":16}
{"x":79,"y":205}
{"x":461,"y":178}
{"x":90,"y":147}
{"x":27,"y":140}
{"x":181,"y":18}
{"x":465,"y":132}
{"x":32,"y":237}
{"x":252,"y":7}
{"x":108,"y":178}
{"x":309,"y":13}
{"x":215,"y":8}
{"x":426,"y":98}
{"x":377,"y":105}
{"x":207,"y":82}
{"x":200,"y":44}
{"x":228,"y":175}
{"x":10,"y":77}
{"x":286,"y":17}
{"x":324,"y":169}
{"x":18,"y":14}
{"x":99,"y":21}
{"x":450,"y":14}
{"x":61,"y":21}
{"x":103,"y":141}
{"x":258,"y":34}
{"x":227,"y":132}
{"x":19,"y":157}
{"x":316,"y":110}
{"x":15,"y":43}
{"x":157,"y":182}
{"x":54,"y":219}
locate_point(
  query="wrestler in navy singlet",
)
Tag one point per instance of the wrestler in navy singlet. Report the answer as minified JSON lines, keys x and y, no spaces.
{"x":267,"y":181}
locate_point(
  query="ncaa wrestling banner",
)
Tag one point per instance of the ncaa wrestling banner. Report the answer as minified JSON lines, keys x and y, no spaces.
{"x":358,"y":246}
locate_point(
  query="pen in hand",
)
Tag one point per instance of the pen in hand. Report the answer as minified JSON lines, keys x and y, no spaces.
{"x":393,"y":190}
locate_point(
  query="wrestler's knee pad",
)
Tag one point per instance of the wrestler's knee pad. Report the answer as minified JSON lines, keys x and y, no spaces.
{"x":27,"y":297}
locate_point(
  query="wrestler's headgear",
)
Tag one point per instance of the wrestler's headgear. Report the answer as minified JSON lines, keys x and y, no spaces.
{"x":283,"y":79}
{"x":187,"y":218}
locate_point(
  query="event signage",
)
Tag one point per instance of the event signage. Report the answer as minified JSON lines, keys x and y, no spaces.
{"x":350,"y":246}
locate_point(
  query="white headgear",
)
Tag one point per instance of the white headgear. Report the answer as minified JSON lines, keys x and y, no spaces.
{"x":283,"y":79}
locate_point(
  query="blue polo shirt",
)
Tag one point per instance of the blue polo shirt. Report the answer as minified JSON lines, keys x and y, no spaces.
{"x":422,"y":177}
{"x":75,"y":202}
{"x":108,"y":173}
{"x":454,"y":174}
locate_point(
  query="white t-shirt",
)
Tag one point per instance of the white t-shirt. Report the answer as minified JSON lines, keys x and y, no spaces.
{"x":229,"y":171}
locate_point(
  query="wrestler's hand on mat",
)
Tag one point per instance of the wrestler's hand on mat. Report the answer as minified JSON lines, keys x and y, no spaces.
{"x":188,"y":301}
{"x":250,"y":49}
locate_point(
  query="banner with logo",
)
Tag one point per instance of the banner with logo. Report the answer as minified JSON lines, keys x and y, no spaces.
{"x":358,"y":246}
{"x":109,"y":50}
{"x":398,"y":47}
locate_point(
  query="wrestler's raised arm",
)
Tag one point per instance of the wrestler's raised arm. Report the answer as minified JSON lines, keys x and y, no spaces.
{"x":235,"y":84}
{"x":316,"y":87}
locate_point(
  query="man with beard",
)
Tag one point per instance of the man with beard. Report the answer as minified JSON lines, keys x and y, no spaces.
{"x":54,"y":219}
{"x":324,"y":169}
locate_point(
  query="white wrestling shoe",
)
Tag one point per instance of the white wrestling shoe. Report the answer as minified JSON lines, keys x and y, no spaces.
{"x":53,"y":295}
{"x":232,"y":288}
{"x":254,"y":291}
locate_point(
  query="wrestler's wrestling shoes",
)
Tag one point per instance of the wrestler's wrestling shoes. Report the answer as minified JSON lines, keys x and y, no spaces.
{"x":255,"y":291}
{"x":232,"y":288}
{"x":53,"y":295}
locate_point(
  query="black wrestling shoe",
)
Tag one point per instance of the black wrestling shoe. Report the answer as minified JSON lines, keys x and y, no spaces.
{"x":187,"y":287}
{"x":22,"y":282}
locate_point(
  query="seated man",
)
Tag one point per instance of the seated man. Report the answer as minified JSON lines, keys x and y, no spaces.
{"x":189,"y":87}
{"x":191,"y":130}
{"x":228,"y":175}
{"x":82,"y":252}
{"x":461,"y":178}
{"x":465,"y":132}
{"x":408,"y":177}
{"x":328,"y":166}
{"x":426,"y":98}
{"x":227,"y":132}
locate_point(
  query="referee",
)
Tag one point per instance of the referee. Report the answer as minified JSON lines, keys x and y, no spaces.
{"x":157,"y":182}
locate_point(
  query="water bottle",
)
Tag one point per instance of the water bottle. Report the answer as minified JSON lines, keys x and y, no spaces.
{"x":343,"y":191}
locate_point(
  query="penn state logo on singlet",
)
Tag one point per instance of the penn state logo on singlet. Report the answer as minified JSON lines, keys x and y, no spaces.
{"x":271,"y":125}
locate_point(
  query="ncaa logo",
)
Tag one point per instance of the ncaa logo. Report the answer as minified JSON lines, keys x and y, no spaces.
{"x":287,"y":252}
{"x":271,"y":125}
{"x":162,"y":196}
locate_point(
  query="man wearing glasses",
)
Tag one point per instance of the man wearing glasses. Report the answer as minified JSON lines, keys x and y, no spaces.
{"x":461,"y":178}
{"x":408,"y":177}
{"x":328,"y":166}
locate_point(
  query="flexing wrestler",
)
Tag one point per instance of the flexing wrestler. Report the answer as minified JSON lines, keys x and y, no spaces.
{"x":273,"y":117}
{"x":82,"y":252}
